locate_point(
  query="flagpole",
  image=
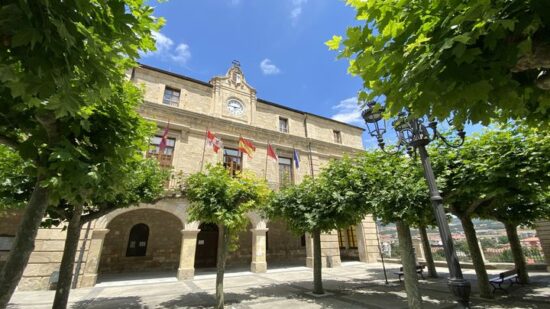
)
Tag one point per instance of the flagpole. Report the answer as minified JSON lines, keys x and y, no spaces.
{"x":266,"y":151}
{"x":204,"y":147}
{"x":309,"y":147}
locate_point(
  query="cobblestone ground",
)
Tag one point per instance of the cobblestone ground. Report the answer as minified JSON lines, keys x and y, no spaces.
{"x":353,"y":285}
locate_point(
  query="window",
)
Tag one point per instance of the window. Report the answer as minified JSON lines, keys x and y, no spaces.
{"x":171,"y":96}
{"x":232,"y":160}
{"x":165,"y":158}
{"x":352,"y":238}
{"x":285,"y":172}
{"x":283,"y":125}
{"x":137,"y":242}
{"x":341,"y":240}
{"x":303,"y":240}
{"x":6,"y":241}
{"x":337,"y":136}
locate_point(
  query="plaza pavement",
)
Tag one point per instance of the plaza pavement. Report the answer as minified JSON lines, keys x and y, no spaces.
{"x":353,"y":285}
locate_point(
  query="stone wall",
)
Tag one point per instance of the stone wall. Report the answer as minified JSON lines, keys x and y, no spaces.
{"x":283,"y":246}
{"x":163,"y":246}
{"x":46,"y":257}
{"x":543,"y":233}
{"x":8,"y":228}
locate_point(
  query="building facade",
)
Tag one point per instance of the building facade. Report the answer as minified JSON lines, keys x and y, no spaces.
{"x":159,"y":237}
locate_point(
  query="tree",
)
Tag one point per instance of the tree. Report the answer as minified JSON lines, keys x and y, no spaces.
{"x":399,"y":194}
{"x":119,"y":183}
{"x":333,"y":200}
{"x":141,"y":181}
{"x":62,"y":63}
{"x":501,"y":174}
{"x":217,"y":197}
{"x":472,"y":60}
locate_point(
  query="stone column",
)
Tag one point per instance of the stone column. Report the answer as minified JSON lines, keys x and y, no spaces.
{"x":330,"y":250}
{"x":309,"y":250}
{"x":367,"y":241}
{"x":89,"y":278}
{"x":543,"y":233}
{"x":186,"y":268}
{"x":259,"y":263}
{"x":418,"y":250}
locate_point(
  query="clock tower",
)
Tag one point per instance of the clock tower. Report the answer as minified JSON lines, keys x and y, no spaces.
{"x":233,"y":97}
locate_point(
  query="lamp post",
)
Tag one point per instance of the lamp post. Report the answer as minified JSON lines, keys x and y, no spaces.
{"x":414,"y":135}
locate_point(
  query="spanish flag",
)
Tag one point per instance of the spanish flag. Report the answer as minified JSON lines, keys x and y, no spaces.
{"x":247,"y":147}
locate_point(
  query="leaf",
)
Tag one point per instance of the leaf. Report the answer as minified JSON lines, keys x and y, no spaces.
{"x":334,"y":43}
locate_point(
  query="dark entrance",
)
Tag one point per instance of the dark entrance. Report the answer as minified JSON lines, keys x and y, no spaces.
{"x":207,"y":246}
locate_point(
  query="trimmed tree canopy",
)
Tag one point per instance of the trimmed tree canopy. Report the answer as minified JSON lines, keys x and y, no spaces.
{"x":472,"y":60}
{"x":333,"y":200}
{"x":501,"y":174}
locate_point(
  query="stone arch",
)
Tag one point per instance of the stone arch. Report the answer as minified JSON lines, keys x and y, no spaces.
{"x":177,"y":207}
{"x":158,"y":250}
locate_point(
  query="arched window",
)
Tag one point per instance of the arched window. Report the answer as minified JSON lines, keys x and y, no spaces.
{"x":137,"y":242}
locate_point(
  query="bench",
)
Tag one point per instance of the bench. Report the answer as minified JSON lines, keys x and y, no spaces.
{"x":510,"y":276}
{"x":419,"y":270}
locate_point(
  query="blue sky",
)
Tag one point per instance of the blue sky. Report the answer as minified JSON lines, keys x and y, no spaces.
{"x":280,"y":45}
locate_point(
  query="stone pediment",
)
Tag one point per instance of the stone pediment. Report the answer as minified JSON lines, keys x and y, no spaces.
{"x":234,"y":78}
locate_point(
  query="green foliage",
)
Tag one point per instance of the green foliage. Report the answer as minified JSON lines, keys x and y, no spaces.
{"x":396,"y":189}
{"x":61,"y":55}
{"x":65,"y":104}
{"x":217,"y":197}
{"x":15,"y":186}
{"x":333,"y":200}
{"x":469,"y":59}
{"x":502,"y":174}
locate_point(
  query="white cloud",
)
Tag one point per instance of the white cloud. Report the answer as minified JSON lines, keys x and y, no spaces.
{"x":181,"y":54}
{"x":296,"y":10}
{"x":166,"y":51}
{"x":268,"y":68}
{"x":162,"y":42}
{"x":348,"y":111}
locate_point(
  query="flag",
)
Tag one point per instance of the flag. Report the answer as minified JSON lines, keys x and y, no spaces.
{"x":271,"y":152}
{"x":296,"y":158}
{"x":213,"y":141}
{"x":246,"y":146}
{"x":164,"y":139}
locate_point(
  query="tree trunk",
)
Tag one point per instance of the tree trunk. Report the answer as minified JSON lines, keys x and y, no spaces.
{"x":24,"y":242}
{"x":317,"y":264}
{"x":517,"y":252}
{"x":67,"y":261}
{"x":223,"y":245}
{"x":477,"y":257}
{"x":414,"y":298}
{"x":427,"y":252}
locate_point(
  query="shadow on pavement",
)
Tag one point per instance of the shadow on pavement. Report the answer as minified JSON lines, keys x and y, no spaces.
{"x":203,"y":300}
{"x":131,"y":302}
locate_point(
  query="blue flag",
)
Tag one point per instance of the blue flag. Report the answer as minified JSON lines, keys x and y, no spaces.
{"x":296,"y":158}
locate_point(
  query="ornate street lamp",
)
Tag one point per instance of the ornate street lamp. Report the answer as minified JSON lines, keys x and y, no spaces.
{"x":413,"y":135}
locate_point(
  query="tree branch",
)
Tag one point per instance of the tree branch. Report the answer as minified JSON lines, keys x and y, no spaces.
{"x":10,"y":142}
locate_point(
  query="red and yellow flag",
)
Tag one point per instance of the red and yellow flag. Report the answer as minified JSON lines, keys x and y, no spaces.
{"x":247,"y":147}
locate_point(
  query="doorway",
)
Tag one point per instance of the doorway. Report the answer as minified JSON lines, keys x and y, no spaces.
{"x":207,"y":246}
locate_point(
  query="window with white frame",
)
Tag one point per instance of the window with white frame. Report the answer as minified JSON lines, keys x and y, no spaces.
{"x":283,"y":125}
{"x":171,"y":96}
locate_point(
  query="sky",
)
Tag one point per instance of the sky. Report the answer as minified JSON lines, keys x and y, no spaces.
{"x":279,"y":44}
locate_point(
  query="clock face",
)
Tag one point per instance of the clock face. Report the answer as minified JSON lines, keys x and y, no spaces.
{"x":235,"y":107}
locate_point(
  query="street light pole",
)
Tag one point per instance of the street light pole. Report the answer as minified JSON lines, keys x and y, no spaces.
{"x":414,"y":135}
{"x":458,"y":285}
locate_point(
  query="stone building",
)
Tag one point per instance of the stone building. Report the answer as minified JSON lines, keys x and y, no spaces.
{"x":159,"y":237}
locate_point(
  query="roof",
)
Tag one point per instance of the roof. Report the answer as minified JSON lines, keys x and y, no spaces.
{"x":259,"y":100}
